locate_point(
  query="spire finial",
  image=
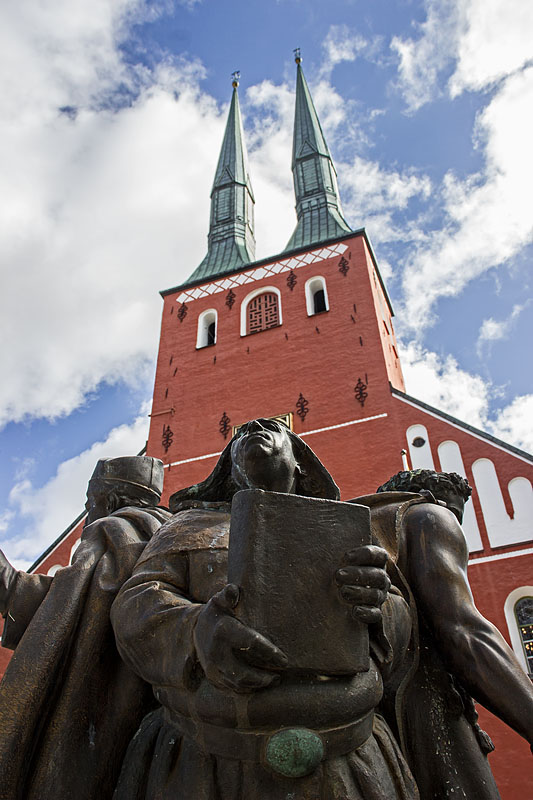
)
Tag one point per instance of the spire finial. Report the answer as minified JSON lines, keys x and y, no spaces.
{"x":297,"y":55}
{"x":235,"y":76}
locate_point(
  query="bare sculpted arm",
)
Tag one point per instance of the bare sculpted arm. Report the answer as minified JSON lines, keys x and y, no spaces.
{"x":434,"y":560}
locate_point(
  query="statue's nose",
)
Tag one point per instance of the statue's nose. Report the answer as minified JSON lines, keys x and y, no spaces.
{"x":255,"y":425}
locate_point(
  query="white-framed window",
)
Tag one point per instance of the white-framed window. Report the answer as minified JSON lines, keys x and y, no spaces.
{"x":451,"y":460}
{"x":503,"y":529}
{"x":260,"y":310}
{"x":316,"y":296}
{"x":207,"y":328}
{"x":419,"y":447}
{"x":518,"y":609}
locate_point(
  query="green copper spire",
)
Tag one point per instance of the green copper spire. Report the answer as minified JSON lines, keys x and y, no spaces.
{"x":231,"y":241}
{"x":318,"y":206}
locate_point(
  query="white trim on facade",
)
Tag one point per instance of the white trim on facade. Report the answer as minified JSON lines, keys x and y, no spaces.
{"x":527,"y":551}
{"x":305,"y":433}
{"x":257,"y":274}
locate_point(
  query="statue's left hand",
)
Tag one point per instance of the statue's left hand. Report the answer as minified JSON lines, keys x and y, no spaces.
{"x":363,"y":582}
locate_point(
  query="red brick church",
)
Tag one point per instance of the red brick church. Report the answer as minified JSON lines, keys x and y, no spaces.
{"x":307,"y":336}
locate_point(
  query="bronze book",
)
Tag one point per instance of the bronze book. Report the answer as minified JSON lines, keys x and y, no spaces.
{"x":284,"y":550}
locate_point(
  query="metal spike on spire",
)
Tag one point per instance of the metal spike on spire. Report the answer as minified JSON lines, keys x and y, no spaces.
{"x":318,"y":205}
{"x":231,"y":241}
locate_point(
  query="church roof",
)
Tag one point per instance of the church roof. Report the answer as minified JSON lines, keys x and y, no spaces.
{"x":318,"y":205}
{"x":231,"y":241}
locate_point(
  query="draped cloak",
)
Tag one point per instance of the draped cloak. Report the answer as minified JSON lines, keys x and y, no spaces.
{"x":68,"y":704}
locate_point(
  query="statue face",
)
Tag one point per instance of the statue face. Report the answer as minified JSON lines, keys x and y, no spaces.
{"x":263,"y":458}
{"x":456,"y":503}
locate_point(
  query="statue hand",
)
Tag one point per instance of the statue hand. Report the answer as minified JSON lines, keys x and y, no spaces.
{"x":232,"y":655}
{"x":363,"y":582}
{"x":7,"y":578}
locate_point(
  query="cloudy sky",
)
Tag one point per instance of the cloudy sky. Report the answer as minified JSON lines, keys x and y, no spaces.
{"x":111,"y":118}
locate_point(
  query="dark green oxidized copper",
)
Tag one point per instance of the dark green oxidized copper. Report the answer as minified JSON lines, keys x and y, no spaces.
{"x":294,"y":752}
{"x":318,"y":205}
{"x":231,"y":242}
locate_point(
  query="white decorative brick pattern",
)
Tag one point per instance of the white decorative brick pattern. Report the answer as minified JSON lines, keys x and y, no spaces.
{"x":259,"y":273}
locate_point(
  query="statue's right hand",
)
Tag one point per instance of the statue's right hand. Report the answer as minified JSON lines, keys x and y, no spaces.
{"x":232,"y":655}
{"x":7,"y":577}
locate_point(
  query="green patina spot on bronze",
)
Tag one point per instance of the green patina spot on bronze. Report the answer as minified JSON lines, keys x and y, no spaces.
{"x":294,"y":752}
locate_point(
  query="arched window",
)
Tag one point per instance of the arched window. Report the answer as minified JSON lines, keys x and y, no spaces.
{"x":263,"y":313}
{"x":518,"y":610}
{"x":207,"y":328}
{"x":523,"y":611}
{"x":316,"y":296}
{"x":261,"y":310}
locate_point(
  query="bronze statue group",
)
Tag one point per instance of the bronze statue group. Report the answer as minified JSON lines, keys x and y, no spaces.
{"x":134,"y":676}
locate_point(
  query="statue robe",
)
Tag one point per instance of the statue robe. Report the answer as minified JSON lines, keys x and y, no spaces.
{"x":68,"y":704}
{"x":184,"y":749}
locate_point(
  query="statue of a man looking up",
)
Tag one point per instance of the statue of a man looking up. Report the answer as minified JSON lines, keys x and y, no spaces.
{"x":224,"y":689}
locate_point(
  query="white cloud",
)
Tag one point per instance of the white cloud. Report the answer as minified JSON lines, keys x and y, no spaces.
{"x":422,"y":60}
{"x":493,"y":330}
{"x":373,"y":194}
{"x":105,"y":204}
{"x":513,"y":423}
{"x":44,"y":512}
{"x":343,"y":44}
{"x":440,"y":382}
{"x":470,"y":44}
{"x":5,"y":520}
{"x":487,"y":216}
{"x":496,"y":41}
{"x":478,"y":41}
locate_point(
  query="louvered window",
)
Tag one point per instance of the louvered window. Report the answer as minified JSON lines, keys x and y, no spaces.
{"x":309,"y":176}
{"x":263,"y":313}
{"x":223,"y":204}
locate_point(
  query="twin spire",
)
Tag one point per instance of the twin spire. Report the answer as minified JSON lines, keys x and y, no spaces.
{"x":231,"y":240}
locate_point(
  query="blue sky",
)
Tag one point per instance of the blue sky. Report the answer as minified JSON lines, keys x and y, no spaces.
{"x":111,"y":117}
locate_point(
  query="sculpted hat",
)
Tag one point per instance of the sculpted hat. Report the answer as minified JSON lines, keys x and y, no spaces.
{"x":142,"y":472}
{"x":219,"y":486}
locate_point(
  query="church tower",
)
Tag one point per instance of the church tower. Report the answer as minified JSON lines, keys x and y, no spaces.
{"x":306,"y":335}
